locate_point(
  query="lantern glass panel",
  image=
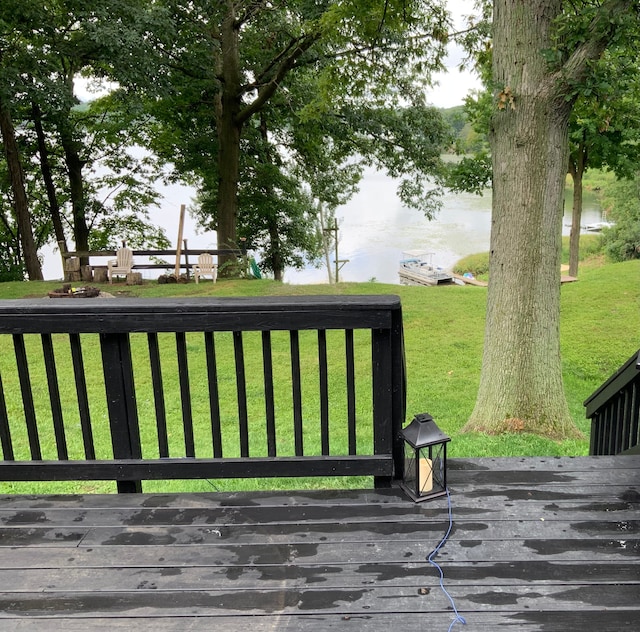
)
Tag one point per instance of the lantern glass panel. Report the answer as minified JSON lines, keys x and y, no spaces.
{"x":410,"y":467}
{"x":431,"y":470}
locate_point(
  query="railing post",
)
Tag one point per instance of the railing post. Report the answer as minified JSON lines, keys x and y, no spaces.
{"x":121,"y":402}
{"x":399,"y":377}
{"x":382,"y":366}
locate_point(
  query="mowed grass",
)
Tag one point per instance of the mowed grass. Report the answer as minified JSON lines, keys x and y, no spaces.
{"x":443,"y":336}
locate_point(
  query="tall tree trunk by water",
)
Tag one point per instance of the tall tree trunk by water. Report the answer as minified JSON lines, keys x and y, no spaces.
{"x":576,"y":171}
{"x":275,"y":244}
{"x":21,"y":204}
{"x":521,"y":385}
{"x":232,"y":112}
{"x":75,"y":166}
{"x":45,"y":169}
{"x":229,"y":129}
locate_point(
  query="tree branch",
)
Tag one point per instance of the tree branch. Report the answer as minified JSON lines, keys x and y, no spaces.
{"x":603,"y":26}
{"x":287,"y":61}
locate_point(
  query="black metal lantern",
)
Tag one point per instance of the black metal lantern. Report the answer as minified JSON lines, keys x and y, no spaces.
{"x":425,"y":459}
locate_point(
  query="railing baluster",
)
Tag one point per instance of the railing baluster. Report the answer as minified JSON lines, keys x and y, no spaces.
{"x":121,"y":402}
{"x":610,"y":430}
{"x":324,"y":390}
{"x":158,"y":394}
{"x":626,"y":419}
{"x":267,"y":362}
{"x":351,"y":390}
{"x":294,"y":341}
{"x":54,"y":396}
{"x":5,"y":429}
{"x":27,"y":397}
{"x":82,"y":396}
{"x":243,"y":420}
{"x":185,"y":394}
{"x":634,"y":432}
{"x":214,"y":396}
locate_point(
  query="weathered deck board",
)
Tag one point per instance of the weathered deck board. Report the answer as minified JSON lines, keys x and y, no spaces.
{"x":537,"y":544}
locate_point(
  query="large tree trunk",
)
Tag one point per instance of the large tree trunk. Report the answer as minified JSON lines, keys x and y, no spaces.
{"x":232,"y":113}
{"x":576,"y":170}
{"x":229,"y":128}
{"x":521,"y":385}
{"x":75,"y":165}
{"x":16,"y":176}
{"x":47,"y":177}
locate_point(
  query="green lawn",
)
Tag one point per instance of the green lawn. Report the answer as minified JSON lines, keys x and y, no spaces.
{"x":444,"y":334}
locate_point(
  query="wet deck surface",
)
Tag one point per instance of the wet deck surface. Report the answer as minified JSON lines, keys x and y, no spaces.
{"x":537,"y":544}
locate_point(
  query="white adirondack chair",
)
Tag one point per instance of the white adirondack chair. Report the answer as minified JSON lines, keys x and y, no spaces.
{"x":205,"y":267}
{"x":122,"y":264}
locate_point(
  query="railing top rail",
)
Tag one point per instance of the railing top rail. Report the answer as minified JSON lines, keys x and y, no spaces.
{"x":625,"y":374}
{"x":197,"y":314}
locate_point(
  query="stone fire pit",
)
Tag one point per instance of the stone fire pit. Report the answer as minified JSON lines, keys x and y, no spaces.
{"x":66,"y":291}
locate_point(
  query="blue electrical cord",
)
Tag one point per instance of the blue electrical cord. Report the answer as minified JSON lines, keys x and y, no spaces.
{"x":458,"y":618}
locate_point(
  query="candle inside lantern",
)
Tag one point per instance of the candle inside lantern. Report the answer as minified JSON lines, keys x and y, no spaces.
{"x":425,"y":475}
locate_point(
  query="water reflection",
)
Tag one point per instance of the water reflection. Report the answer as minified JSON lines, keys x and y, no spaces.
{"x":375,"y":228}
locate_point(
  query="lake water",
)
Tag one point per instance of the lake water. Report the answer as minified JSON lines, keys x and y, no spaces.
{"x":375,"y":228}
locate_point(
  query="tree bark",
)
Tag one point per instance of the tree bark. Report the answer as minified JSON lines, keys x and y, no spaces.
{"x":75,"y":166}
{"x":229,"y":129}
{"x":521,"y":386}
{"x":21,"y":204}
{"x":45,"y":169}
{"x":576,"y":218}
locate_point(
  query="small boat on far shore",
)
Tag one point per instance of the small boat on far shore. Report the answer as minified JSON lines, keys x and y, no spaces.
{"x":417,"y":268}
{"x":596,"y":227}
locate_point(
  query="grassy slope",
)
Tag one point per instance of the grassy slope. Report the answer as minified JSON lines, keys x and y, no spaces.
{"x":444,"y":332}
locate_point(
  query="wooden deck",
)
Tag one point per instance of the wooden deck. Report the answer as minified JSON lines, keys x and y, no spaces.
{"x":537,"y":544}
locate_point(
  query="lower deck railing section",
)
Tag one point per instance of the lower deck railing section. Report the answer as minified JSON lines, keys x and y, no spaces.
{"x":614,"y":410}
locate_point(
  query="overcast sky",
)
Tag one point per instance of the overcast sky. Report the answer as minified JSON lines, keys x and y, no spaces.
{"x":452,"y":85}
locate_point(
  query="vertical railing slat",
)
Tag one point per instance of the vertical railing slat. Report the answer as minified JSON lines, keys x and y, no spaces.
{"x":214,"y":396}
{"x":82,"y":396}
{"x":27,"y":397}
{"x":241,"y":387}
{"x":54,"y":396}
{"x":294,"y":344}
{"x":158,"y":394}
{"x":267,"y":363}
{"x":5,"y":428}
{"x":324,"y":390}
{"x":351,"y":390}
{"x":185,"y":394}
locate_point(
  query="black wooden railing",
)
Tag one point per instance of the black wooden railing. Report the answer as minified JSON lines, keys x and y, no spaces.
{"x":614,"y":410}
{"x":130,"y":390}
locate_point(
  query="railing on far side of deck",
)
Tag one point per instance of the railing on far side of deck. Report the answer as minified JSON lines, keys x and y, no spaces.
{"x":614,"y":410}
{"x":143,"y":382}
